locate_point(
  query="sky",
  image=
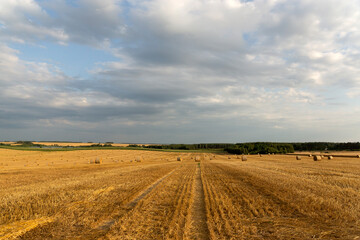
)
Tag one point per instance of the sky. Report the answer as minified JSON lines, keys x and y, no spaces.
{"x":190,"y":71}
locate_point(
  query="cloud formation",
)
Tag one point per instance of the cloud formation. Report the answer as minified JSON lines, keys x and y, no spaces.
{"x":186,"y":71}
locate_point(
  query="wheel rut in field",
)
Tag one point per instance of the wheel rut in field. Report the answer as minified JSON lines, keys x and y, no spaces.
{"x":198,"y":228}
{"x":132,"y":204}
{"x":99,"y":231}
{"x":143,"y":194}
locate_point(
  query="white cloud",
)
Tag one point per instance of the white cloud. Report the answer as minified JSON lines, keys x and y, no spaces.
{"x":27,"y":21}
{"x":279,"y":64}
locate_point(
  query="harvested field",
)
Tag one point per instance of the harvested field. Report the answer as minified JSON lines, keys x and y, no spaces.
{"x":59,"y":195}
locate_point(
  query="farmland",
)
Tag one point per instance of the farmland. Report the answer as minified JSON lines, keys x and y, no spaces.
{"x":59,"y":195}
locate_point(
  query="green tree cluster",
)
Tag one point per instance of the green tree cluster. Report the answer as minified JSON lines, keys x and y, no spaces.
{"x":260,"y":147}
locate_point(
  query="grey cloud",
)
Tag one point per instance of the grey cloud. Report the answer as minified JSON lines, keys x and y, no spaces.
{"x":88,"y":22}
{"x":12,"y":110}
{"x":198,"y":71}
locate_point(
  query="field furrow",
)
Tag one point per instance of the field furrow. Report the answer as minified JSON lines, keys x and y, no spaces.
{"x":202,"y":196}
{"x":162,"y":213}
{"x":276,"y":206}
{"x":95,"y":201}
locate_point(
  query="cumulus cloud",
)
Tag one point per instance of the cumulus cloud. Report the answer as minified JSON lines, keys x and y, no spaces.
{"x":249,"y":70}
{"x":90,"y":22}
{"x":24,"y":21}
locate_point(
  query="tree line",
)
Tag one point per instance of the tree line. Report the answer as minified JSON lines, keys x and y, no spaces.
{"x":237,"y":148}
{"x":324,"y":146}
{"x":197,"y":146}
{"x":262,"y":147}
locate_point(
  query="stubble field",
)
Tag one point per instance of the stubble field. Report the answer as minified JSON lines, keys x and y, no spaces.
{"x":59,"y":195}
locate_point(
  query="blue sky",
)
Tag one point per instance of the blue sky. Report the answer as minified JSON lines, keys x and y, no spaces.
{"x":166,"y":71}
{"x":73,"y":59}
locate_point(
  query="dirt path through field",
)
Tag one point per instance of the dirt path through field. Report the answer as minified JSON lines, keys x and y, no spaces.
{"x":198,"y":228}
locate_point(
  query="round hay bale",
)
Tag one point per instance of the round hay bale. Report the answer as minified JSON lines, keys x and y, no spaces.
{"x":244,"y":158}
{"x":330,"y":157}
{"x":358,"y":156}
{"x":138,"y":159}
{"x":229,"y":157}
{"x":260,"y":155}
{"x":310,"y":155}
{"x":179,"y":159}
{"x":317,"y":158}
{"x":98,"y":160}
{"x":237,"y":157}
{"x":298,"y":157}
{"x":197,"y":159}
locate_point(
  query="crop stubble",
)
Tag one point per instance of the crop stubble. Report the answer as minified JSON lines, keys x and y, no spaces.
{"x":269,"y":197}
{"x":281,"y":200}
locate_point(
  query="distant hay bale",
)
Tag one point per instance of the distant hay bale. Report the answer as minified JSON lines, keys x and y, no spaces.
{"x":179,"y":159}
{"x":244,"y":158}
{"x":298,"y":157}
{"x":317,"y":158}
{"x":260,"y":155}
{"x":237,"y":157}
{"x":310,"y":155}
{"x":330,"y":157}
{"x":98,"y":160}
{"x":229,"y":157}
{"x":139,"y":159}
{"x":197,"y":159}
{"x":358,"y":156}
{"x":268,"y":153}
